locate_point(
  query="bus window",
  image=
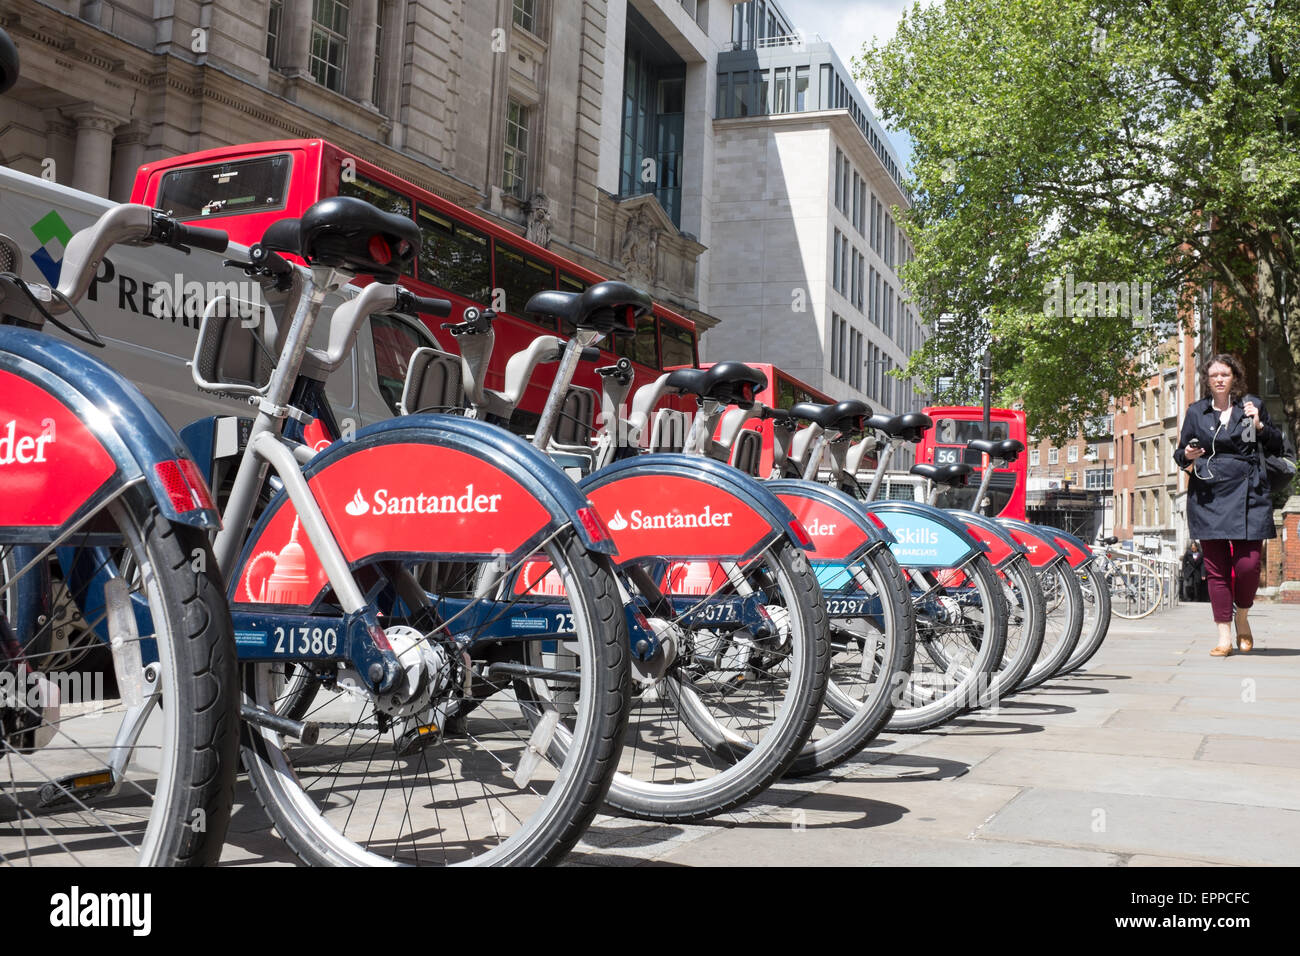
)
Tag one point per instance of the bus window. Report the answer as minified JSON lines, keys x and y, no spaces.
{"x":641,"y":346}
{"x":677,"y":345}
{"x":394,"y":341}
{"x":519,"y":276}
{"x":952,"y":431}
{"x":226,"y":189}
{"x":389,"y":200}
{"x":570,"y":283}
{"x":788,"y":395}
{"x":453,"y":257}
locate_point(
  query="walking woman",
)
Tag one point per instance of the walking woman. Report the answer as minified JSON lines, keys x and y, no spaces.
{"x":1229,"y":506}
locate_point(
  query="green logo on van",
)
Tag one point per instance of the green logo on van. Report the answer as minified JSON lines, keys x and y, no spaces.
{"x":50,"y":228}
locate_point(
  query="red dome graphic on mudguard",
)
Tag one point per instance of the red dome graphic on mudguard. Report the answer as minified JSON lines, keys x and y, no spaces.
{"x":836,"y":536}
{"x":393,"y":499}
{"x":50,"y":463}
{"x":1040,"y":552}
{"x":998,"y":551}
{"x":677,"y":517}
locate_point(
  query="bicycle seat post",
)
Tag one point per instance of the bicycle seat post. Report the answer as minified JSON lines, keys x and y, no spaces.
{"x":579,"y":340}
{"x":882,"y":464}
{"x":306,"y":297}
{"x":702,"y":427}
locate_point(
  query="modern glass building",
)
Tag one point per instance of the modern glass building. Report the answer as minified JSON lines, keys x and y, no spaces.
{"x":805,"y":246}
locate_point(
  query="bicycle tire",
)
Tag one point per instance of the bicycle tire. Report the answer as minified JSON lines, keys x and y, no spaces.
{"x":176,"y":815}
{"x":1064,"y":604}
{"x":690,"y":753}
{"x":1026,"y":625}
{"x":859,"y":699}
{"x":960,"y":637}
{"x":312,"y":809}
{"x":1141,"y":589}
{"x":1096,"y":623}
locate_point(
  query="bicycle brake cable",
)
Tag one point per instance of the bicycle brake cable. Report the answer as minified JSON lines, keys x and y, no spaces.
{"x":90,"y":337}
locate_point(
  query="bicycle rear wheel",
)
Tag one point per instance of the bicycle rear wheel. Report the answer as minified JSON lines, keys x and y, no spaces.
{"x":733,"y":710}
{"x":961,"y":621}
{"x":64,"y":798}
{"x":870,"y":654}
{"x":1026,"y":625}
{"x":1096,"y":617}
{"x":1064,"y":605}
{"x":474,"y":774}
{"x":1135,"y":589}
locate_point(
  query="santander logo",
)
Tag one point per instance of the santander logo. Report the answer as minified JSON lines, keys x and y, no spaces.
{"x":639,"y":520}
{"x":18,"y":449}
{"x":819,"y":530}
{"x":382,"y":502}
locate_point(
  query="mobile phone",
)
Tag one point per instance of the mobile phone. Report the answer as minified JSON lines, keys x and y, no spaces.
{"x":1194,"y":443}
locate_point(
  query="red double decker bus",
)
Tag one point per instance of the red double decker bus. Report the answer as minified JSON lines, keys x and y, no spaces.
{"x":945,"y":444}
{"x":462,"y":256}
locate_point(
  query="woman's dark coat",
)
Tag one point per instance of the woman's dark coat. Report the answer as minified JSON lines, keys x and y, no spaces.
{"x":1236,"y":502}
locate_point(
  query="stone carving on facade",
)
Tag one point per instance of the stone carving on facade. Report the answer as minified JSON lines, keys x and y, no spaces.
{"x":538,"y":229}
{"x":639,"y":251}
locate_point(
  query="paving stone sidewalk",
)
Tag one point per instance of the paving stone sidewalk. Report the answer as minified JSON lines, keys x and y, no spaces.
{"x":1157,"y":754}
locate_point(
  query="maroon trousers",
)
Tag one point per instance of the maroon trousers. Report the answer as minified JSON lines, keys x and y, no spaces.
{"x":1232,"y":575}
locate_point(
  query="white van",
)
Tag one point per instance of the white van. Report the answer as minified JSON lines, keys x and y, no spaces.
{"x":147,"y":303}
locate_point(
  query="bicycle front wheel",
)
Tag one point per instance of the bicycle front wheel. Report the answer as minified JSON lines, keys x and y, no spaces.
{"x":507,"y":755}
{"x":70,"y":795}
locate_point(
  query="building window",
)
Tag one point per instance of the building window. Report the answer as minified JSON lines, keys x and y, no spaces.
{"x":781,"y":90}
{"x":515,"y":167}
{"x":855,"y":361}
{"x":835,"y":261}
{"x":839,"y":164}
{"x":800,"y":88}
{"x":1053,"y":456}
{"x":525,"y":14}
{"x":1072,"y":453}
{"x":329,"y":42}
{"x":1033,"y":458}
{"x":862,"y":260}
{"x":273,"y":21}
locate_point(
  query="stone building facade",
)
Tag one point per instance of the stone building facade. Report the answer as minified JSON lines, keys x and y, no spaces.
{"x":511,"y":107}
{"x":805,"y":250}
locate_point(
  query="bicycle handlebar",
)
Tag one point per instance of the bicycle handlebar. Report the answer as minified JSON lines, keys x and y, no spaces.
{"x":128,"y":222}
{"x":413,"y":304}
{"x":170,"y":232}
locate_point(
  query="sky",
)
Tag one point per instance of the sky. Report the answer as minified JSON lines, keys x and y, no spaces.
{"x":849,"y":25}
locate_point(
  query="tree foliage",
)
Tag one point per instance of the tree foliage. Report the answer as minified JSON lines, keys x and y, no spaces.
{"x":1118,"y":141}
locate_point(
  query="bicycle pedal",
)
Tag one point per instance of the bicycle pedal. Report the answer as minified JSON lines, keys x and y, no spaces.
{"x":417,"y":738}
{"x":77,"y":787}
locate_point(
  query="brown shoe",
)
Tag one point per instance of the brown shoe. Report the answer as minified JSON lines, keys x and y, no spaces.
{"x":1245,"y":642}
{"x":1221,"y":652}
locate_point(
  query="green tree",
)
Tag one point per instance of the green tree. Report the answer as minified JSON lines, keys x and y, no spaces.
{"x":1070,"y":146}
